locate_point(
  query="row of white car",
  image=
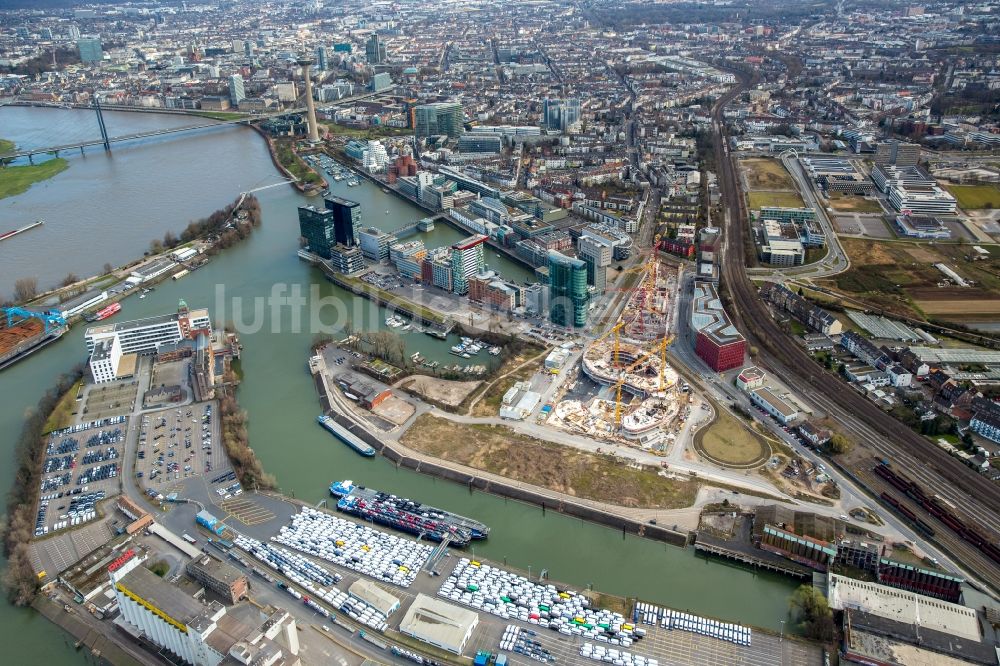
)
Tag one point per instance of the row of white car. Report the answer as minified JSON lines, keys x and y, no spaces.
{"x":379,"y":555}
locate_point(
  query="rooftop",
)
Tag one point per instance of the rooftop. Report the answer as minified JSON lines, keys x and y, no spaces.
{"x":160,"y":594}
{"x":708,"y":316}
{"x":902,"y":606}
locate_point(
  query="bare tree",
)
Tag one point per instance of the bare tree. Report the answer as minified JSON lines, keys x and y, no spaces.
{"x":70,"y":278}
{"x":108,"y":268}
{"x":25,"y":289}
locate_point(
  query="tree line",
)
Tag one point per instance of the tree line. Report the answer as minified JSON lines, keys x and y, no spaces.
{"x":236,"y":439}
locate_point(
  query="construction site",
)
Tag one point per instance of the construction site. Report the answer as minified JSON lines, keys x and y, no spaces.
{"x":639,"y":401}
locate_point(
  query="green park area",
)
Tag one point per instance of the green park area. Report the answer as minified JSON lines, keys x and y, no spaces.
{"x":17,"y":179}
{"x":6,"y":146}
{"x":729,"y":442}
{"x":974,"y":197}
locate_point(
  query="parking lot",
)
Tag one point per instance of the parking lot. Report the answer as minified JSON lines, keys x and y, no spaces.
{"x":115,"y":399}
{"x":82,"y":467}
{"x":179,"y":443}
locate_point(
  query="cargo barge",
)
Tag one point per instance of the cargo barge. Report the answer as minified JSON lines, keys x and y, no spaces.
{"x":407,"y":515}
{"x":10,"y":234}
{"x":25,"y":338}
{"x":345,"y":435}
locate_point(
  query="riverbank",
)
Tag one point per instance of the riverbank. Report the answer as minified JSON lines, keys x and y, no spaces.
{"x":6,"y":147}
{"x":286,"y":160}
{"x":17,"y":179}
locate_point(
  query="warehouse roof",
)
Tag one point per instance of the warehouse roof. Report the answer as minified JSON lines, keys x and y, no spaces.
{"x":902,"y":606}
{"x":373,"y":595}
{"x":160,"y":594}
{"x":438,"y":623}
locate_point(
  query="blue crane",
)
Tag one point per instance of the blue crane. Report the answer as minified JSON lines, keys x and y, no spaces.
{"x":49,"y":318}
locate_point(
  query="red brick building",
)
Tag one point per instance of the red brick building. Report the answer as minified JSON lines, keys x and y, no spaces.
{"x":718,"y":343}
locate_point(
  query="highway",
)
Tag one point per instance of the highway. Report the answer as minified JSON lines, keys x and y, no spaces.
{"x":882,"y":435}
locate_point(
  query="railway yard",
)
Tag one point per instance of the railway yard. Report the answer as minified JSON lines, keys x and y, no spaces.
{"x":877,"y":434}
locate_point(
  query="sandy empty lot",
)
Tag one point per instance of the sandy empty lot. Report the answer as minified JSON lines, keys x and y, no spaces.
{"x":445,"y":391}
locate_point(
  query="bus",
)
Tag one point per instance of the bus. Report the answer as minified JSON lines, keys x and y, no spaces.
{"x":189,"y":538}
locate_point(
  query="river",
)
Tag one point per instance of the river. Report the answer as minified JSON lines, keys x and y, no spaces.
{"x":277,"y":391}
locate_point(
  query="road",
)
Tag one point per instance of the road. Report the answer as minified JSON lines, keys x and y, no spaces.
{"x":974,"y":495}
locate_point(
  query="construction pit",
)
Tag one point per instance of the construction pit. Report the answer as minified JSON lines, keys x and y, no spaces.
{"x":649,"y":310}
{"x":651,"y":411}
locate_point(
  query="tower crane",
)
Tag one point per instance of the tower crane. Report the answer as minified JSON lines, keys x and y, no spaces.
{"x":661,"y":348}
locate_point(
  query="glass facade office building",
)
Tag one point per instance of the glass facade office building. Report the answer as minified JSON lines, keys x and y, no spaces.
{"x":569,"y":297}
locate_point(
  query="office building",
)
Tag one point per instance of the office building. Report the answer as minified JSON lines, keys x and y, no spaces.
{"x":596,"y":252}
{"x":346,"y":259}
{"x":718,"y":343}
{"x":375,"y":50}
{"x":466,"y":260}
{"x":381,"y":81}
{"x":480,"y":143}
{"x":569,"y":297}
{"x":374,"y":157}
{"x":73,"y":32}
{"x":322,"y":62}
{"x":91,"y":50}
{"x":106,"y":361}
{"x":560,"y":114}
{"x":897,"y":153}
{"x":438,"y":118}
{"x":375,"y":243}
{"x":145,"y":336}
{"x":194,"y":632}
{"x":346,"y":219}
{"x":237,"y":93}
{"x":316,"y":226}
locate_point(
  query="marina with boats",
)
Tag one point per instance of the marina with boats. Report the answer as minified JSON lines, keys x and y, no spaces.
{"x":407,"y":515}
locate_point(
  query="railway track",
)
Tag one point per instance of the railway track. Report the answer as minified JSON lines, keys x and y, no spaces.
{"x":977,"y":497}
{"x":984,"y":568}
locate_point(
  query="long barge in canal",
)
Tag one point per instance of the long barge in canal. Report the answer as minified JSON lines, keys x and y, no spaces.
{"x":345,"y":435}
{"x":407,"y":515}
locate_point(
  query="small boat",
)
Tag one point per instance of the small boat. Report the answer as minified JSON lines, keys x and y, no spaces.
{"x":142,"y":296}
{"x":386,"y":211}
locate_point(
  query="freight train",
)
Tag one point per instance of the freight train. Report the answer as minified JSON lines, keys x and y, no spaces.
{"x":935,"y":507}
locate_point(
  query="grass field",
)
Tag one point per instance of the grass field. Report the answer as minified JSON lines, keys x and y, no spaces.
{"x":760,"y":199}
{"x":767,"y":174}
{"x":17,"y":179}
{"x":730,"y":442}
{"x":502,"y":451}
{"x":62,"y":415}
{"x":853,"y":204}
{"x":6,"y":146}
{"x":973,"y":197}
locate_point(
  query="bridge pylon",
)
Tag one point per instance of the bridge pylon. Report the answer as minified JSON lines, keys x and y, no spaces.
{"x":100,"y":124}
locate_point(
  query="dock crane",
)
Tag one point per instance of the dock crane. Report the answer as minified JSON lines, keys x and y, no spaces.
{"x":661,"y":348}
{"x":49,"y":318}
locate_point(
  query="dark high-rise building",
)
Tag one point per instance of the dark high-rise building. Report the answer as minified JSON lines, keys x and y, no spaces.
{"x":322,"y":63}
{"x":375,"y":50}
{"x":346,"y":220}
{"x":438,"y":118}
{"x":569,"y":297}
{"x":317,"y":227}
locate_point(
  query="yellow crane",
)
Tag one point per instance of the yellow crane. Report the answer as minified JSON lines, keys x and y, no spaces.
{"x":661,"y":348}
